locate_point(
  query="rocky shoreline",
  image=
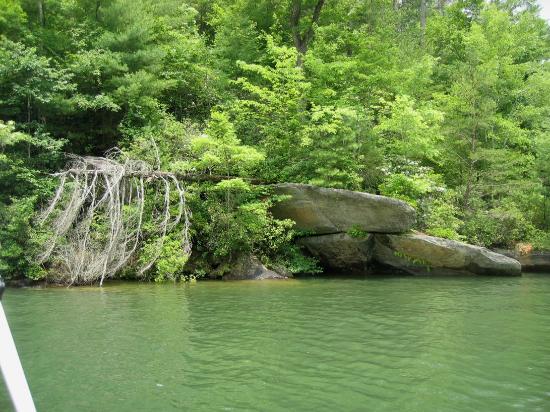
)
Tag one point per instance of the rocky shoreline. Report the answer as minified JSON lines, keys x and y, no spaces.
{"x":356,"y":232}
{"x":532,"y":261}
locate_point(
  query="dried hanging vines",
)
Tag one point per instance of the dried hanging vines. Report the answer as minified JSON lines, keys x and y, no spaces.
{"x":98,"y":213}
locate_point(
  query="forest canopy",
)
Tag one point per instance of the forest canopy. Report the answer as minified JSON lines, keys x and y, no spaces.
{"x":443,"y":104}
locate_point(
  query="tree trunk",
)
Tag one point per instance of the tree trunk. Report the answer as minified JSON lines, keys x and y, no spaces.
{"x":41,"y":17}
{"x":28,"y":123}
{"x":302,"y":41}
{"x":544,"y":219}
{"x":423,"y":12}
{"x":471,"y":166}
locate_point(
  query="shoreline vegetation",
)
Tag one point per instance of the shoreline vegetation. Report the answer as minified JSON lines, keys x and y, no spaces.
{"x":209,"y":105}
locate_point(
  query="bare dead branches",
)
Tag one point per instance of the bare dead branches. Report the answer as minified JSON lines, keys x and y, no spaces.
{"x":97,"y":216}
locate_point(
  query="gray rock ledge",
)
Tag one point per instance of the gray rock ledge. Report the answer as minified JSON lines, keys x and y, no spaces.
{"x":322,"y":211}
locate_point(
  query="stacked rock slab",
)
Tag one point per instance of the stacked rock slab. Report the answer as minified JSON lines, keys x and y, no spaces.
{"x":323,"y":211}
{"x":379,"y":226}
{"x":420,"y":254}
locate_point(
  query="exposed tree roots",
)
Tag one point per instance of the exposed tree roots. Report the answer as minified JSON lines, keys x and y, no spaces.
{"x":101,"y":211}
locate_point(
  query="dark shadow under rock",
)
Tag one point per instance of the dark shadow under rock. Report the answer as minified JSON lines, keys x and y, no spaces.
{"x":340,"y":252}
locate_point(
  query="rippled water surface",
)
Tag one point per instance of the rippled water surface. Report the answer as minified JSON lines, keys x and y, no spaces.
{"x":391,"y":344}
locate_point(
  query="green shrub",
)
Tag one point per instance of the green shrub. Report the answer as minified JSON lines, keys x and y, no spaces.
{"x":503,"y":227}
{"x":441,"y":219}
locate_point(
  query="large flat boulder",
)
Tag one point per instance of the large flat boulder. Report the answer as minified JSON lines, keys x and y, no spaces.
{"x":340,"y":252}
{"x":420,"y":254}
{"x":321,"y":211}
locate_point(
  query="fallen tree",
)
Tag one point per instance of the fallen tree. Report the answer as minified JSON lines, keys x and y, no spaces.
{"x":96,"y":218}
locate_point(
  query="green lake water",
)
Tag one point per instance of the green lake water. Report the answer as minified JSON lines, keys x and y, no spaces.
{"x":375,"y":344}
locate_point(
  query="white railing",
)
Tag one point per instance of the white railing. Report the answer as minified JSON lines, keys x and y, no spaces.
{"x":11,"y":366}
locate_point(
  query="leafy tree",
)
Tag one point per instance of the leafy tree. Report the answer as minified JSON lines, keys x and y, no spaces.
{"x":30,"y":86}
{"x":303,"y":142}
{"x":22,"y":187}
{"x":12,"y":19}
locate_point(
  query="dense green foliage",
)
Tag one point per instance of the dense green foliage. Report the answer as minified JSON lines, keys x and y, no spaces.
{"x":444,"y":106}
